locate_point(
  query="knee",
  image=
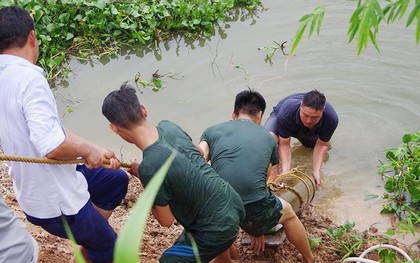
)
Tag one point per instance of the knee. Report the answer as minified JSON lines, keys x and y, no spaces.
{"x":287,"y":211}
{"x":122,"y":177}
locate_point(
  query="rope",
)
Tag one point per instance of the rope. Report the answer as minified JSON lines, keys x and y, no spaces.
{"x":363,"y":260}
{"x":16,"y":158}
{"x":278,"y":184}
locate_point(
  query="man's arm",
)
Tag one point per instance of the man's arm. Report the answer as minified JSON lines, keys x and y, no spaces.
{"x":319,"y":153}
{"x":74,"y":147}
{"x":204,"y":149}
{"x":163,"y":215}
{"x":285,"y":153}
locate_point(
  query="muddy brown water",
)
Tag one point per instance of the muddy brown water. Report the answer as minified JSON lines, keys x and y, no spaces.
{"x":377,"y":95}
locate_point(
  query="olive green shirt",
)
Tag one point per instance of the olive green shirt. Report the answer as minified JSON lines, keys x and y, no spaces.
{"x":199,"y":199}
{"x":240,"y":152}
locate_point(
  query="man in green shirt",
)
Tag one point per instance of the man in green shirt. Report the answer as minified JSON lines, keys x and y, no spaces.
{"x":241,"y":151}
{"x":193,"y":193}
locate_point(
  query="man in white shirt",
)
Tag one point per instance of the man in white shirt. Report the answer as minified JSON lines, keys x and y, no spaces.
{"x":30,"y":126}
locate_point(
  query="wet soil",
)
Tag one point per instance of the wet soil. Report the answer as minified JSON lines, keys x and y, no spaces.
{"x":157,"y":238}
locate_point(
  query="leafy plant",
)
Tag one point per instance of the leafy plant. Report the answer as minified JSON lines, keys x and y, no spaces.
{"x":364,"y":22}
{"x":156,"y":82}
{"x":84,"y":29}
{"x":402,"y":185}
{"x":272,"y":50}
{"x":349,"y":243}
{"x":314,"y":20}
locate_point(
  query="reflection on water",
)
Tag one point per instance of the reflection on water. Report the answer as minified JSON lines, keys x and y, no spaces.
{"x":376,"y":95}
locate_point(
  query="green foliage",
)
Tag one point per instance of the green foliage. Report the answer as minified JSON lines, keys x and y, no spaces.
{"x":272,"y":50}
{"x":364,"y":22}
{"x":156,"y":82}
{"x":348,"y":242}
{"x":129,"y":241}
{"x":387,"y":256}
{"x":314,"y":20}
{"x":314,"y":242}
{"x":84,"y":28}
{"x":402,"y":182}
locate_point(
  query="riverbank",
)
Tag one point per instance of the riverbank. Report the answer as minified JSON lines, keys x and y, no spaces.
{"x":157,"y":239}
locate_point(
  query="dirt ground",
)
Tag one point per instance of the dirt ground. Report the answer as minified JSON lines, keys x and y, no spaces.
{"x":157,"y":239}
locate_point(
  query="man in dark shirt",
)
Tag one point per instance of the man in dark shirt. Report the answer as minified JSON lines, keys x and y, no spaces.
{"x":307,"y":117}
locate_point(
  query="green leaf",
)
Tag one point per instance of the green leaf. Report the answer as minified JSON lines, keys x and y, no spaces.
{"x":373,"y":40}
{"x":129,"y":241}
{"x":320,"y":19}
{"x":69,"y":36}
{"x":306,"y":17}
{"x":370,"y":197}
{"x":415,"y":194}
{"x":402,"y":8}
{"x":378,"y":9}
{"x":410,"y":225}
{"x":363,"y":32}
{"x":414,"y":13}
{"x":390,"y":185}
{"x":314,"y":242}
{"x":356,"y":13}
{"x":78,"y":254}
{"x":418,"y":31}
{"x":407,"y":138}
{"x":195,"y":248}
{"x":312,"y":27}
{"x":297,"y":38}
{"x":353,"y":30}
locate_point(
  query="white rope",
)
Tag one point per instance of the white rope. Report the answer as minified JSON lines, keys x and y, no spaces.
{"x":361,"y":259}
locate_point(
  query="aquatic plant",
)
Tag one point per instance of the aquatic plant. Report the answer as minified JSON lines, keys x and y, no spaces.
{"x":83,"y":29}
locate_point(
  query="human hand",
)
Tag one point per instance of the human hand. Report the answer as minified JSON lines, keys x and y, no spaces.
{"x":317,"y":177}
{"x":257,"y":244}
{"x":93,"y":156}
{"x":134,"y":169}
{"x":112,"y":160}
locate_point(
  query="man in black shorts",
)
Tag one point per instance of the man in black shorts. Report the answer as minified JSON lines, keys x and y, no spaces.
{"x":241,"y":151}
{"x":307,"y":117}
{"x":192,"y":192}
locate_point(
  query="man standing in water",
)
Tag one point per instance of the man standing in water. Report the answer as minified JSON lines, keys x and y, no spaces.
{"x":241,"y":151}
{"x":30,"y":126}
{"x":307,"y":117}
{"x":192,"y":192}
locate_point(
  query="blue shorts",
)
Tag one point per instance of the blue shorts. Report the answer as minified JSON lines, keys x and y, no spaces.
{"x":262,"y":215}
{"x":90,"y":229}
{"x":182,"y":250}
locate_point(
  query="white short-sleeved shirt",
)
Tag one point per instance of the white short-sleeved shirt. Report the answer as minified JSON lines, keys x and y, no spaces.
{"x":29,"y":126}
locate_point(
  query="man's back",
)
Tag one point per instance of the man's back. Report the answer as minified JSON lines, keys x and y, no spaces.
{"x":30,"y":127}
{"x":197,"y":196}
{"x":240,"y":152}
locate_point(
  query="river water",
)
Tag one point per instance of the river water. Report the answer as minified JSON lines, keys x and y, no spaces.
{"x":376,"y":95}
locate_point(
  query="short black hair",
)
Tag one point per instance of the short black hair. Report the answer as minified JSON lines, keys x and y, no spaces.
{"x":122,"y":107}
{"x":249,"y":102}
{"x":314,"y":99}
{"x":15,"y":25}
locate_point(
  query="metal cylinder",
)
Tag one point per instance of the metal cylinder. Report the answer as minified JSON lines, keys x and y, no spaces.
{"x":295,"y":187}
